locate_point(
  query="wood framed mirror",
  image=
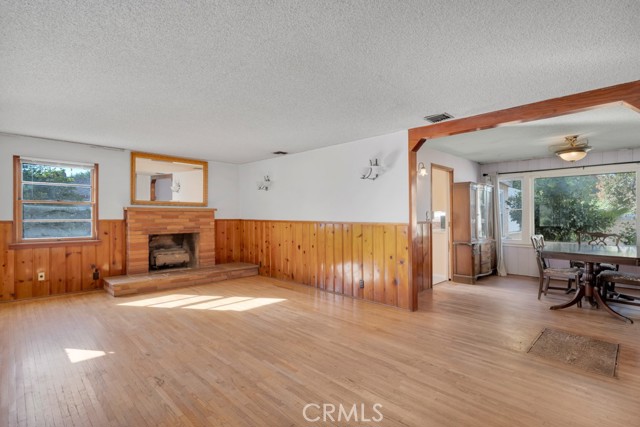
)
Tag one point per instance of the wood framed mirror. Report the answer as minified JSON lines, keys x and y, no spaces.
{"x":168,"y":181}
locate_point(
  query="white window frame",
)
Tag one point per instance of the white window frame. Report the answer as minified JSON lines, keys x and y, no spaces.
{"x":528,"y":179}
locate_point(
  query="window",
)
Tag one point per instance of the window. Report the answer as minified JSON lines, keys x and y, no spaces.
{"x":599,"y":202}
{"x":511,"y":212}
{"x":54,"y":200}
{"x":557,"y":203}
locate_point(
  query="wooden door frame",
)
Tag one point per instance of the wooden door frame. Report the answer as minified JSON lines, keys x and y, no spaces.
{"x":450,"y":239}
{"x":627,"y":94}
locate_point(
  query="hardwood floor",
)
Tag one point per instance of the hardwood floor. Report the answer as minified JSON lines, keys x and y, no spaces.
{"x":254,"y":351}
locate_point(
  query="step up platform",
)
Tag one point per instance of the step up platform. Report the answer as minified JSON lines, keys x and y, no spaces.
{"x":158,"y":281}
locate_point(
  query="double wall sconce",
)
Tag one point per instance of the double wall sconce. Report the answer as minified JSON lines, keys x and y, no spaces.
{"x":265,"y":184}
{"x":373,"y":171}
{"x":422,"y":169}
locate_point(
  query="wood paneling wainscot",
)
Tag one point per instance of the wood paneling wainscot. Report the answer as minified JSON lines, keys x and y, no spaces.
{"x":67,"y":268}
{"x":325,"y":255}
{"x":421,"y":257}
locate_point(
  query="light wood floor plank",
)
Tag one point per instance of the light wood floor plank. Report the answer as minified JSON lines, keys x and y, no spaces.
{"x":254,"y":351}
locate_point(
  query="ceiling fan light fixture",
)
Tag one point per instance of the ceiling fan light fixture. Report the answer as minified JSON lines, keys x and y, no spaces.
{"x":575,"y":151}
{"x":573,"y":154}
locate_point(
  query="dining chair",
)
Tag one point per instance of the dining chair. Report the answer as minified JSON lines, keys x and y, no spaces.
{"x":606,"y":285}
{"x":571,"y":274}
{"x":597,"y":238}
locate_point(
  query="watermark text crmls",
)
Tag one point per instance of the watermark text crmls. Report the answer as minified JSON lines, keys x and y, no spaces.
{"x":342,"y":413}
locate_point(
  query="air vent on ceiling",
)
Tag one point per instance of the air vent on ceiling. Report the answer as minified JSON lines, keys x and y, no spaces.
{"x":438,"y":117}
{"x":280,"y":153}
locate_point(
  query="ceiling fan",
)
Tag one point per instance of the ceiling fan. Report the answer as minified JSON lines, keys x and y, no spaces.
{"x":572,"y":150}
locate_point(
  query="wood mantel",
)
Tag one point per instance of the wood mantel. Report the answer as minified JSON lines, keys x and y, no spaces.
{"x":142,"y":222}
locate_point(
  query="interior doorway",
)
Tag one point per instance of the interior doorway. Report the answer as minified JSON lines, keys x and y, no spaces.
{"x":441,"y":187}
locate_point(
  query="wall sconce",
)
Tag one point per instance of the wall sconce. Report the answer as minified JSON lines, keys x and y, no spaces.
{"x":265,"y":184}
{"x":373,"y":171}
{"x":422,"y":169}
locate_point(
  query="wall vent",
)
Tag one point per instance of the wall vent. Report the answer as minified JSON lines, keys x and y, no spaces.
{"x":435,"y":118}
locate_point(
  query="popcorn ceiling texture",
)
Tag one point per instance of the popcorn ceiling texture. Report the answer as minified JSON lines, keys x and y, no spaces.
{"x":234,"y":81}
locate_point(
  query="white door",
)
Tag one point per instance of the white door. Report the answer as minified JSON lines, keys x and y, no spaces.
{"x":441,"y":223}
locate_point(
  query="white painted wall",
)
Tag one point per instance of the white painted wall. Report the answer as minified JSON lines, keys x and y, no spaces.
{"x":325,"y":184}
{"x":114,"y":175}
{"x":463,"y":170}
{"x":223,"y":190}
{"x":318,"y":185}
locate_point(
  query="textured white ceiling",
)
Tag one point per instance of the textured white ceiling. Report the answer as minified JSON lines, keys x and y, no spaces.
{"x":235,"y":80}
{"x":607,"y":128}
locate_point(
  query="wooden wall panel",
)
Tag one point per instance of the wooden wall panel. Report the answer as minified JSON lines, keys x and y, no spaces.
{"x":24,"y":273}
{"x":41,"y":265}
{"x":58,"y":275}
{"x":367,"y":262}
{"x":74,"y":268}
{"x":390,"y":276}
{"x":403,"y":265}
{"x":421,"y":257}
{"x":7,"y":263}
{"x":66,"y":268}
{"x":357,"y":260}
{"x":329,"y":256}
{"x":347,"y":259}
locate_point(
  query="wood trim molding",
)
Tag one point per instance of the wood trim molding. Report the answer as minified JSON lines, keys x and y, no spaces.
{"x":18,"y":240}
{"x":160,"y":157}
{"x":627,"y":94}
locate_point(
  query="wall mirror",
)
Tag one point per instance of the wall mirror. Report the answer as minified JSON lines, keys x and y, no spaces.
{"x":165,"y":180}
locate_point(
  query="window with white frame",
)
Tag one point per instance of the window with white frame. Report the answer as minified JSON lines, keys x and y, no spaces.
{"x":558,"y":203}
{"x":511,"y":208}
{"x":54,"y":200}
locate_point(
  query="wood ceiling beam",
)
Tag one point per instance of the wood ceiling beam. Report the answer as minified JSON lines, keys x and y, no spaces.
{"x":627,"y":93}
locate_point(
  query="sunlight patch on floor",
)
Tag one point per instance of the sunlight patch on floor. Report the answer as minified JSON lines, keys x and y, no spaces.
{"x":76,"y":355}
{"x":185,"y":301}
{"x":204,"y":302}
{"x":213,"y":304}
{"x":249,"y":304}
{"x":158,"y":300}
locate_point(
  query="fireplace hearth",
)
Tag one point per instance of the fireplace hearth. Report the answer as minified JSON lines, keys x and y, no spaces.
{"x":141,"y":223}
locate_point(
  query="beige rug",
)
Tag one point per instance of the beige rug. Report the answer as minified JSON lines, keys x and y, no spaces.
{"x":583,"y":352}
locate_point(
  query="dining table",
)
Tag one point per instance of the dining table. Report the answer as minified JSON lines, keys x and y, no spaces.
{"x":591,"y":255}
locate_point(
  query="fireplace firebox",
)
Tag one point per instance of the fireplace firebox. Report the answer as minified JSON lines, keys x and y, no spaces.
{"x":173,"y":250}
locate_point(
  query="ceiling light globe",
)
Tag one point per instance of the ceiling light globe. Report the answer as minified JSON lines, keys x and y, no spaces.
{"x":572,"y":155}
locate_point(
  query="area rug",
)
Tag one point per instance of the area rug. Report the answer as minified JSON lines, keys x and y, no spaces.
{"x":582,"y":352}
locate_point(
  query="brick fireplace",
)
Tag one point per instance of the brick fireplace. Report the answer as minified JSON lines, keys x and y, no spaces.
{"x":144,"y":222}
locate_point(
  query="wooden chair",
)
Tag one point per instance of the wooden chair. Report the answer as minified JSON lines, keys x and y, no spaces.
{"x":597,"y":238}
{"x":571,"y":274}
{"x":607,"y":281}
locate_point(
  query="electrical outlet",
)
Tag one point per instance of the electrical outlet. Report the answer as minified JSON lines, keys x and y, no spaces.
{"x":41,"y":276}
{"x":361,"y":283}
